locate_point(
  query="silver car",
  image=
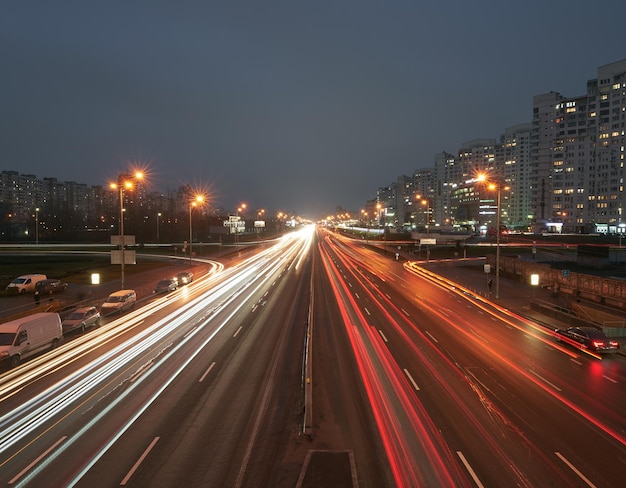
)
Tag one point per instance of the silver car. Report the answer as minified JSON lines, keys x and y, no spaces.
{"x":81,"y":318}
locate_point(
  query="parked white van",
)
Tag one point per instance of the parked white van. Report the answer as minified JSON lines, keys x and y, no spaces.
{"x":25,"y":283}
{"x":27,"y":336}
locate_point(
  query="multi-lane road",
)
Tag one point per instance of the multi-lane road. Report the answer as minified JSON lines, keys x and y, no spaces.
{"x":316,"y":361}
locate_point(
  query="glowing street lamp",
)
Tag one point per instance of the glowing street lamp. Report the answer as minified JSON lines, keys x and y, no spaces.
{"x":158,"y":221}
{"x":198,"y":200}
{"x":125,"y":181}
{"x":494,"y":186}
{"x":240,"y":209}
{"x":426,"y":202}
{"x":37,"y":226}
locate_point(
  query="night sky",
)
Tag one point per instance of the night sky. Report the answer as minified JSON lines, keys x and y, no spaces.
{"x":285,"y":105}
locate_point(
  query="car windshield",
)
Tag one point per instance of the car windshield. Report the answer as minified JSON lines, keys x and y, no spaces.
{"x":115,"y":299}
{"x":19,"y":281}
{"x":164,"y":282}
{"x":6,"y":338}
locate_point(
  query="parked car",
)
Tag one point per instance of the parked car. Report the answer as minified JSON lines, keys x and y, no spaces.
{"x":50,"y":286}
{"x":119,"y":301}
{"x":167,"y":285}
{"x":589,"y":338}
{"x":25,"y":283}
{"x":184,"y":278}
{"x":81,"y":318}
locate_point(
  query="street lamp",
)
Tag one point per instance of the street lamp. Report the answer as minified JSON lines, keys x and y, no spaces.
{"x":124,"y":181}
{"x":367,"y":226}
{"x":37,"y":226}
{"x":195,"y":202}
{"x":260,"y":214}
{"x":158,"y":221}
{"x":240,"y":209}
{"x":425,"y":201}
{"x":498,"y":188}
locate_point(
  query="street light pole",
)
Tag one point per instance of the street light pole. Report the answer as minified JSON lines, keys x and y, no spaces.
{"x":124,"y":181}
{"x":190,"y":233}
{"x":497,"y":186}
{"x":498,"y":245}
{"x":37,"y":226}
{"x":196,"y":201}
{"x":121,"y":188}
{"x":158,"y":221}
{"x":239,"y":209}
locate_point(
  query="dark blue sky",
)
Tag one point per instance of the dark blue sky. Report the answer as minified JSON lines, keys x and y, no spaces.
{"x":285,"y":105}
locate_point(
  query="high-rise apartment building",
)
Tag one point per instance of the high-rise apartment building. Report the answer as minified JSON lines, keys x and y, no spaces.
{"x":444,"y":184}
{"x":606,"y":190}
{"x":513,"y":157}
{"x":578,"y":155}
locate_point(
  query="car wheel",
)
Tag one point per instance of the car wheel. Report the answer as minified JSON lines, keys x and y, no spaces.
{"x":82,"y":327}
{"x":15,"y":360}
{"x":55,"y":344}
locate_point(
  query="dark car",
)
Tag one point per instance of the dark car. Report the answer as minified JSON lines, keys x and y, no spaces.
{"x":50,"y":286}
{"x":587,"y":338}
{"x":165,"y":286}
{"x":184,"y":278}
{"x":81,"y":318}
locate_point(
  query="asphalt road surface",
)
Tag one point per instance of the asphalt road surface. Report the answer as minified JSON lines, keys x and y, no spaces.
{"x":409,"y":380}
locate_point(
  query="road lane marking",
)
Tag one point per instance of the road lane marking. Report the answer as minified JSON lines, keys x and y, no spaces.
{"x":206,"y":372}
{"x":382,"y":334}
{"x":367,"y":311}
{"x":139,"y":461}
{"x":544,"y":380}
{"x":574,"y":469}
{"x":189,"y":332}
{"x":432,"y":336}
{"x":405,"y":312}
{"x":43,"y":455}
{"x":610,"y":379}
{"x":237,"y":331}
{"x":408,"y":375}
{"x":469,"y":469}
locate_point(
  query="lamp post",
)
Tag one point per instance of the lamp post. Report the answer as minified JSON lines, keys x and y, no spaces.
{"x":124,"y":181}
{"x":37,"y":226}
{"x":241,"y":208}
{"x":498,"y":188}
{"x":260,"y":214}
{"x":195,"y":202}
{"x":367,"y":226}
{"x":158,"y":221}
{"x":426,"y":201}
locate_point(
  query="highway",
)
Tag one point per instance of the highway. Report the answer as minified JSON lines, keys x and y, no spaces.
{"x":413,"y":381}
